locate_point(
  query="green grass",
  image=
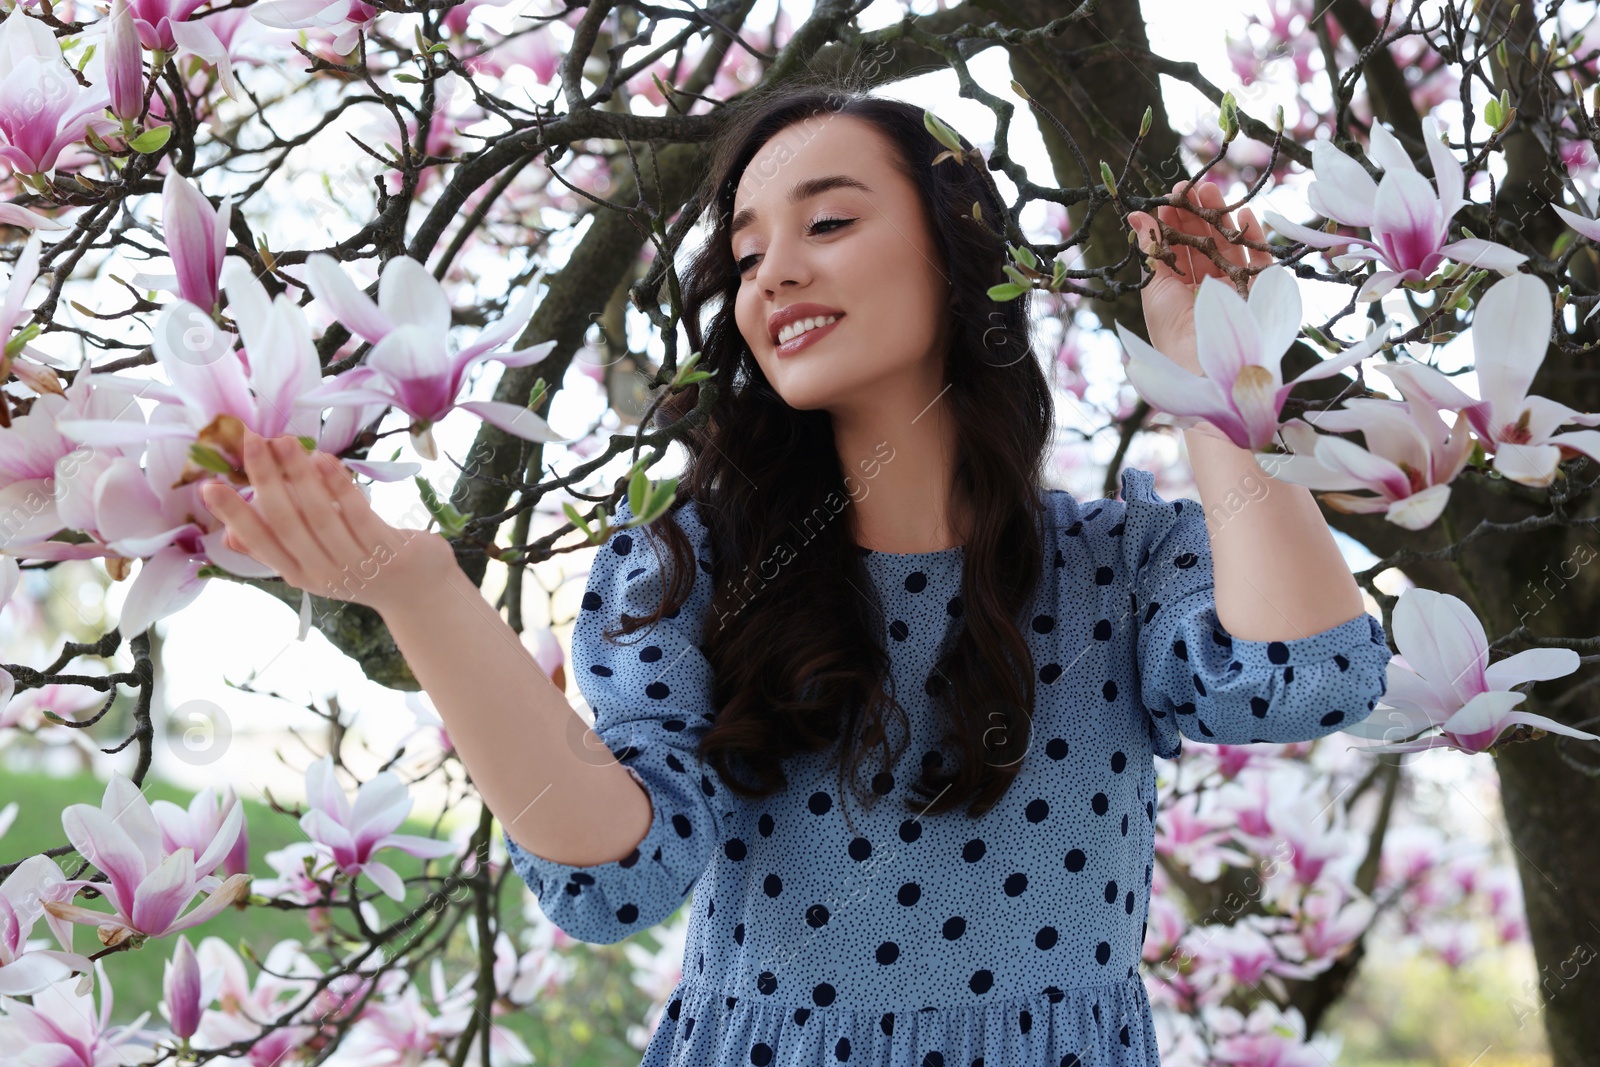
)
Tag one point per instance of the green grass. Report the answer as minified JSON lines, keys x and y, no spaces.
{"x":584,"y":1025}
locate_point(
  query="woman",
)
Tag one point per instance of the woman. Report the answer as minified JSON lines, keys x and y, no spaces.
{"x":865,"y":551}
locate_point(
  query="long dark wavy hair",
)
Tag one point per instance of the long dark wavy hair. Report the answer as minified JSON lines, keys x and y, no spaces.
{"x":796,"y":650}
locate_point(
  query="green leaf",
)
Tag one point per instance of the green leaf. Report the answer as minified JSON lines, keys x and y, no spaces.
{"x":579,"y":521}
{"x":402,"y":76}
{"x":1108,"y":179}
{"x":941,"y":133}
{"x":84,"y":62}
{"x":638,"y":492}
{"x":151,"y":140}
{"x":308,"y":443}
{"x":1016,"y":275}
{"x":977,"y":212}
{"x":660,"y":500}
{"x":1006,"y":291}
{"x":209,"y":458}
{"x":1144,"y":123}
{"x":1025,"y":256}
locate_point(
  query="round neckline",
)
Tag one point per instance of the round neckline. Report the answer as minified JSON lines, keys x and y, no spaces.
{"x":869,"y":552}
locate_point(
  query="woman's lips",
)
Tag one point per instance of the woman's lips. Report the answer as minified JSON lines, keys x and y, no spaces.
{"x":807,"y":339}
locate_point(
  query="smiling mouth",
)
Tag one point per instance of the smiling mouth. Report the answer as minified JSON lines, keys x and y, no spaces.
{"x":808,"y":337}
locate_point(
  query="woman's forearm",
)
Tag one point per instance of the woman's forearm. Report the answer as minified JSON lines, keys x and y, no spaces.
{"x":1279,"y":573}
{"x":544,"y":773}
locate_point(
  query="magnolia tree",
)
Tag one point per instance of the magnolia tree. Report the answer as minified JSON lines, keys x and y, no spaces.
{"x":365,"y":206}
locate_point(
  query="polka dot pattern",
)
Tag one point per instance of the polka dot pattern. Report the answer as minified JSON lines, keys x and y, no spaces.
{"x":1006,"y":940}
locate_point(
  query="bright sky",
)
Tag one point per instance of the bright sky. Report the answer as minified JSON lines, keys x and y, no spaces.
{"x":234,"y":634}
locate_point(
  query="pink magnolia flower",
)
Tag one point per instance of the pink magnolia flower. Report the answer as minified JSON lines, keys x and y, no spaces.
{"x":1409,"y":462}
{"x":1241,"y":347}
{"x":201,"y":824}
{"x":1510,"y":335}
{"x":410,"y":365}
{"x":1408,"y":219}
{"x":1197,"y":841}
{"x":243,"y":1010}
{"x":168,"y":28}
{"x":181,"y":990}
{"x":43,"y":109}
{"x":37,"y":461}
{"x":124,"y":63}
{"x":62,"y":1029}
{"x":353,"y":833}
{"x":147,"y":887}
{"x":535,"y":51}
{"x":1442,"y":679}
{"x":344,"y":18}
{"x":26,"y":968}
{"x":197,"y":239}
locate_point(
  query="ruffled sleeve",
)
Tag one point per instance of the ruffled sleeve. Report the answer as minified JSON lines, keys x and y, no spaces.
{"x":1199,"y":681}
{"x":651,"y":701}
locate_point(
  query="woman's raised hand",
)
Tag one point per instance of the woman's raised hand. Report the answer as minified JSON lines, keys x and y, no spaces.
{"x":309,"y":522}
{"x":1169,"y":297}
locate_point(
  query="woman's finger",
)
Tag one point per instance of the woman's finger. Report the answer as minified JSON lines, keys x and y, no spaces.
{"x":1253,"y":232}
{"x":367,"y":531}
{"x":247,"y":531}
{"x":278,"y":505}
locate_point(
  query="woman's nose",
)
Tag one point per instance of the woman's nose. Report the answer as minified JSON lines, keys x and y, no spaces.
{"x":783,"y":263}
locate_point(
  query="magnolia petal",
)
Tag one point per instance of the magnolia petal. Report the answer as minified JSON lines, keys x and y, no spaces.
{"x":1378,"y":286}
{"x":1166,"y":385}
{"x":1589,"y":228}
{"x":1355,"y":505}
{"x":167,"y":582}
{"x":1419,"y":510}
{"x":1532,"y":465}
{"x":218,"y":552}
{"x":1485,"y":255}
{"x":421,"y":847}
{"x":1343,"y":189}
{"x":1350,"y":356}
{"x":1585,"y":441}
{"x":1306,"y":235}
{"x":120,"y":433}
{"x":1377,"y":473}
{"x":385,"y":878}
{"x":383,"y":471}
{"x":1351,"y":260}
{"x":1413,"y":378}
{"x":249,"y":304}
{"x":234,"y":889}
{"x":1528,"y":718}
{"x":1446,"y":169}
{"x":32,"y":971}
{"x":1531,"y":665}
{"x":1406,"y":220}
{"x":1386,"y":151}
{"x":514,"y":419}
{"x":1482,"y":720}
{"x":163,"y":893}
{"x":409,"y":295}
{"x":1305,"y":470}
{"x":32,"y":516}
{"x":1443,"y":641}
{"x":1510,"y":334}
{"x":1254,"y":396}
{"x":21,"y":217}
{"x":1274,"y":301}
{"x":328,"y":282}
{"x":504,"y":329}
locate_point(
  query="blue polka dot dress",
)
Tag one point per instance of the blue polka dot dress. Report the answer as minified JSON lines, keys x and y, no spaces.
{"x":908,"y":941}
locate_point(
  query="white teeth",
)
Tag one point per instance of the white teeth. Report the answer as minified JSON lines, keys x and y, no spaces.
{"x":800,"y":326}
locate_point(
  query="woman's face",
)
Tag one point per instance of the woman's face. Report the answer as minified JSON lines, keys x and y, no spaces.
{"x":859,"y":251}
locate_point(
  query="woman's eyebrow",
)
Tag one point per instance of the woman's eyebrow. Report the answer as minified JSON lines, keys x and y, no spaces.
{"x":803,"y":189}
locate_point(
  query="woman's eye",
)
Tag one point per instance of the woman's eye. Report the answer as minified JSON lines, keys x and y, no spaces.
{"x":747,"y":262}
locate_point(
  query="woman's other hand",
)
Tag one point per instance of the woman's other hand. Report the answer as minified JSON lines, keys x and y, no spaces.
{"x":1169,"y":297}
{"x":310,"y":522}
